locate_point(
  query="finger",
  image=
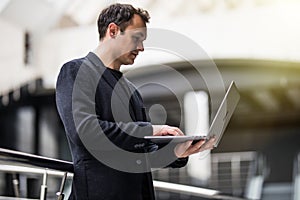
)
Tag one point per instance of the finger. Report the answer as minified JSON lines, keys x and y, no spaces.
{"x":194,"y":148}
{"x":187,"y":144}
{"x":171,"y":131}
{"x":175,"y":131}
{"x":179,"y":132}
{"x":197,"y":148}
{"x":208,"y":145}
{"x":166,"y":130}
{"x":211,"y":142}
{"x":181,"y":149}
{"x":213,"y":139}
{"x":202,"y":145}
{"x":159,"y":129}
{"x":199,"y":144}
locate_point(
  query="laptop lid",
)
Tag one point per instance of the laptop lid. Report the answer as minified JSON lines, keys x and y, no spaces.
{"x":219,"y":122}
{"x":224,"y":113}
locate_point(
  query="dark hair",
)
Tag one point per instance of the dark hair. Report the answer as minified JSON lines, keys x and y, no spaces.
{"x":121,"y":15}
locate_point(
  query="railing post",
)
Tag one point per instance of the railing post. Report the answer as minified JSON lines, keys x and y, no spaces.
{"x":16,"y":185}
{"x":60,"y":194}
{"x":43,"y":194}
{"x":296,"y":174}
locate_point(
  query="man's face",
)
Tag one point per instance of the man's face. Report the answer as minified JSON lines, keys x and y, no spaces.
{"x":130,"y":42}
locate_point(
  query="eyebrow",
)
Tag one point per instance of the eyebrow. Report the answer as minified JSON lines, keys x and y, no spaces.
{"x":140,"y":34}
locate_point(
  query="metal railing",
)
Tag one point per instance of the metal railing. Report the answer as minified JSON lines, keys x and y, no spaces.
{"x":192,"y":191}
{"x":19,"y":162}
{"x":230,"y":171}
{"x":233,"y":173}
{"x":296,"y":175}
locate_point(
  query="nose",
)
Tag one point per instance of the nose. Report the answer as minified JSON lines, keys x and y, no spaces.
{"x":140,"y":46}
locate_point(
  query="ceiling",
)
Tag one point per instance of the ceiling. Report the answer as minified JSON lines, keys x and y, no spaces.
{"x":280,"y":91}
{"x":31,"y":14}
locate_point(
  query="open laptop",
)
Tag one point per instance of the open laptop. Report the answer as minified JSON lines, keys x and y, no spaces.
{"x":218,"y":125}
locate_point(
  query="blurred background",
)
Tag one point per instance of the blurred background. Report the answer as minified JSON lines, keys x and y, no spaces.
{"x":253,"y":42}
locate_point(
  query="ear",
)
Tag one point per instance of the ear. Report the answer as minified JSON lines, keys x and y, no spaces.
{"x":112,"y":30}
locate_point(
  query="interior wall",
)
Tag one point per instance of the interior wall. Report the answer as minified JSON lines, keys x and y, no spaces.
{"x":11,"y":53}
{"x":62,"y":45}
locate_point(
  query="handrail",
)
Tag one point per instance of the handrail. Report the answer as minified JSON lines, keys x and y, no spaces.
{"x":192,"y":190}
{"x":35,"y":160}
{"x":296,"y":175}
{"x":15,"y":161}
{"x":9,"y":168}
{"x":296,"y":170}
{"x":29,"y":163}
{"x":14,"y":198}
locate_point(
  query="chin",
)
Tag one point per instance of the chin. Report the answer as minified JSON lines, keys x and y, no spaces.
{"x":129,"y":62}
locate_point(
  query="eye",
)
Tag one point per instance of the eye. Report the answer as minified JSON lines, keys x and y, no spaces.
{"x":135,"y":38}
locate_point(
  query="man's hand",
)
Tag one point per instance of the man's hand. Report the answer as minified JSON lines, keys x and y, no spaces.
{"x":187,"y":148}
{"x":160,"y":130}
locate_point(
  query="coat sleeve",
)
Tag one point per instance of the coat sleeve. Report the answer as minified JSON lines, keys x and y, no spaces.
{"x":75,"y":98}
{"x":163,"y":155}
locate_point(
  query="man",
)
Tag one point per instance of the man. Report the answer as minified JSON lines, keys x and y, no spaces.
{"x":105,"y":119}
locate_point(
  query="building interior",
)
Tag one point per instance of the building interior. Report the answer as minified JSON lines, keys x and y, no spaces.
{"x":193,"y":47}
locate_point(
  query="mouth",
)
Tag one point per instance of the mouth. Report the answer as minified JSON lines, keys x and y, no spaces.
{"x":134,"y":53}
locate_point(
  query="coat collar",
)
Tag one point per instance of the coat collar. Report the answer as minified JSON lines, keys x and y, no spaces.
{"x":121,"y":93}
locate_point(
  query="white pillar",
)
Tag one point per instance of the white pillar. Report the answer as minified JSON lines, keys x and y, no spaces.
{"x":196,"y":118}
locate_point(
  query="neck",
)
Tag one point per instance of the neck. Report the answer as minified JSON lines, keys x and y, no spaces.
{"x":106,"y":56}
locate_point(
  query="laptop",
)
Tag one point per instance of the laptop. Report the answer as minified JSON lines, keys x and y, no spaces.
{"x":218,"y":125}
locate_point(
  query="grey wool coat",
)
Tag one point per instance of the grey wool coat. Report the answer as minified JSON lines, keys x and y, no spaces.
{"x":105,"y":121}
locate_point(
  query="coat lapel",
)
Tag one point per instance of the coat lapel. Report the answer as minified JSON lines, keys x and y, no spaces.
{"x":115,"y":85}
